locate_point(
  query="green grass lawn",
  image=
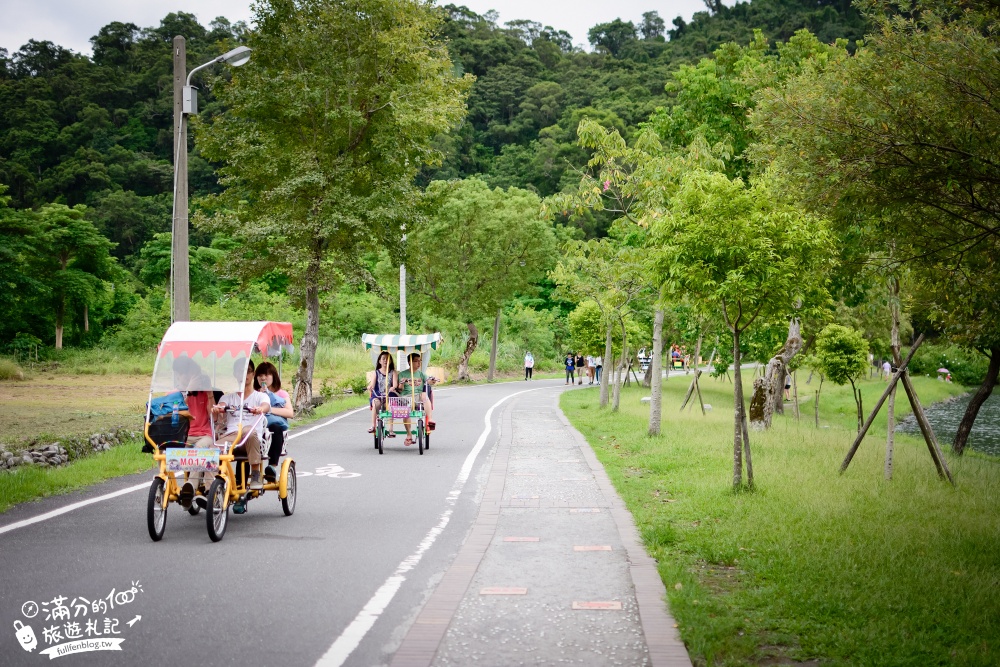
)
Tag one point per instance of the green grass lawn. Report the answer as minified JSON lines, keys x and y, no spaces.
{"x":811,"y":565}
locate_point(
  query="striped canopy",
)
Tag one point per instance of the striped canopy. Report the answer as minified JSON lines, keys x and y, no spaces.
{"x":422,"y":343}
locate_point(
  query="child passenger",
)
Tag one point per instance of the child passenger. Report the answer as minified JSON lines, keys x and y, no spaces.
{"x":266,"y":379}
{"x":200,"y":400}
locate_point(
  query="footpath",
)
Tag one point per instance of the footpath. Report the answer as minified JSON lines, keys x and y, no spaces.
{"x":554,"y":571}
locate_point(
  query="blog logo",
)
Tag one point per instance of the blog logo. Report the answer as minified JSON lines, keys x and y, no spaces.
{"x":25,"y":636}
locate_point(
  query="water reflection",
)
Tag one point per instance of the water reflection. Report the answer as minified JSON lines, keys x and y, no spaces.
{"x":945,"y":417}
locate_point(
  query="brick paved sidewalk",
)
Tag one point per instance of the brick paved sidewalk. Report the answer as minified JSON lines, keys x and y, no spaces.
{"x":553,"y":571}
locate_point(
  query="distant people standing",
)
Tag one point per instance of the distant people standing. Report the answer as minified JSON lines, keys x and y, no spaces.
{"x":598,"y":365}
{"x":590,"y":369}
{"x":570,"y":367}
{"x":579,"y":368}
{"x":886,"y":369}
{"x":529,"y":364}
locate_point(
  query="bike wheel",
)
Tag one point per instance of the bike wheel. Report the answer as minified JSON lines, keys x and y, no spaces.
{"x":156,"y":512}
{"x":420,"y":436}
{"x":217,"y":515}
{"x":380,"y":436}
{"x":288,"y":502}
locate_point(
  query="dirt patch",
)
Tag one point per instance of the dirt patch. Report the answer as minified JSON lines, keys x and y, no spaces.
{"x":70,"y":405}
{"x":720,"y":579}
{"x":773,"y":658}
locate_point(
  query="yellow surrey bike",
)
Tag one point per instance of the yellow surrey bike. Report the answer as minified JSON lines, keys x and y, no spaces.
{"x":196,"y":364}
{"x":408,"y":406}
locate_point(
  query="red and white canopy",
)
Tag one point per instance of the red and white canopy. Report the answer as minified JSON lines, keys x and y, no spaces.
{"x":201,"y":356}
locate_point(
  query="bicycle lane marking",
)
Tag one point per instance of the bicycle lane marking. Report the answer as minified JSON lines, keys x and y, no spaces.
{"x":121,"y":492}
{"x":351,"y":637}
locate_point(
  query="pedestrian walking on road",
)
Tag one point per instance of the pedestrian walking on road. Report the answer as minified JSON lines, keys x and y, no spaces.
{"x":598,"y":366}
{"x":578,"y":361}
{"x":529,"y":364}
{"x":570,"y":367}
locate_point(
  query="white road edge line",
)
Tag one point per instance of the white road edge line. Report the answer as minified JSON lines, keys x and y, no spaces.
{"x":108,"y":496}
{"x":352,"y":635}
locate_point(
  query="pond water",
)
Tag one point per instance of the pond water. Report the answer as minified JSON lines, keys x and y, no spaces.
{"x":945,"y":417}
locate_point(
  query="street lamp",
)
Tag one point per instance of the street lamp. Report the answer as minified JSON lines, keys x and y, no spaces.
{"x":186,"y":103}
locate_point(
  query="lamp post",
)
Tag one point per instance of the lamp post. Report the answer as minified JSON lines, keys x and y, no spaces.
{"x":186,"y":103}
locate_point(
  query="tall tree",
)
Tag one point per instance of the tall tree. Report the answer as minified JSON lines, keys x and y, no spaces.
{"x":74,"y":259}
{"x":740,"y":249}
{"x":325,"y":129}
{"x":898,"y":142}
{"x":478,"y":249}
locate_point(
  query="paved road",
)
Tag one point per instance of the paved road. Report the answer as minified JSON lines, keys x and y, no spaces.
{"x":340,"y":581}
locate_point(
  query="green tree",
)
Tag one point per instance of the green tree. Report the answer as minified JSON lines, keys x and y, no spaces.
{"x":21,"y":287}
{"x":478,"y":249}
{"x":898,"y":143}
{"x":73,"y":263}
{"x":612,"y":37}
{"x":842,"y":355}
{"x":738,"y":248}
{"x":612,"y":274}
{"x":325,"y":129}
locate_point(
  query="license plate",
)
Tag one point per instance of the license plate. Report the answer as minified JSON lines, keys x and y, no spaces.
{"x":193,"y":460}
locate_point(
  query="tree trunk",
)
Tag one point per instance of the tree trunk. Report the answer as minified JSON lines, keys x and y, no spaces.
{"x":307,"y":349}
{"x":493,"y":348}
{"x":795,"y":394}
{"x":608,"y":369}
{"x":656,"y":377}
{"x":470,"y":347}
{"x":816,"y":406}
{"x":746,"y":444}
{"x":767,"y":390}
{"x":86,"y":318}
{"x":971,"y":412}
{"x":622,"y":368}
{"x":737,"y":413}
{"x":890,"y":436}
{"x":59,"y":325}
{"x":856,"y":393}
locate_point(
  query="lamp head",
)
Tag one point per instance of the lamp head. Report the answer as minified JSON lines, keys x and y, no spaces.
{"x":238,"y":56}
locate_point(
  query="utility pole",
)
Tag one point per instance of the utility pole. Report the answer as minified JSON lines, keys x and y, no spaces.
{"x":180,"y":291}
{"x":402,"y":298}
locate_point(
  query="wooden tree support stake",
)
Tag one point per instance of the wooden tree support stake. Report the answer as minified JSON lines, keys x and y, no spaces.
{"x":694,"y":382}
{"x":918,"y":412}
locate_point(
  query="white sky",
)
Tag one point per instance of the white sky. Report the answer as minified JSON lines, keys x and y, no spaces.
{"x":71,"y":23}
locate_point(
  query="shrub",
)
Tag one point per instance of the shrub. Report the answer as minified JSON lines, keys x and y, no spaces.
{"x":359,"y":385}
{"x":10,"y":370}
{"x":966,"y":367}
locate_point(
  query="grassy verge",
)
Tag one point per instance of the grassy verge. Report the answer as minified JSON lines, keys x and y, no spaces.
{"x":811,"y":565}
{"x":31,"y":482}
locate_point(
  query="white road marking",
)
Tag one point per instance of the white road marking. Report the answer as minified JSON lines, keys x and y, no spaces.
{"x":352,"y":635}
{"x":137,"y":487}
{"x":69,"y":508}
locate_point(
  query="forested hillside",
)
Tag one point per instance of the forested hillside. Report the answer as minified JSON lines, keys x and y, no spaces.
{"x":89,"y":139}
